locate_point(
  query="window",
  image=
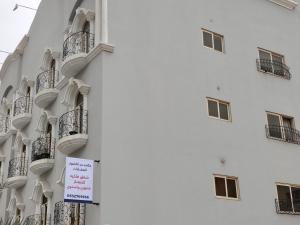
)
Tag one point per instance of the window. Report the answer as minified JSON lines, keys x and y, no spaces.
{"x":271,"y":62}
{"x":218,"y":109}
{"x":226,"y":187}
{"x":282,"y":127}
{"x":288,"y":198}
{"x":213,"y":40}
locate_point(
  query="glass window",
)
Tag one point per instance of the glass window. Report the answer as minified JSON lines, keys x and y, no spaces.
{"x":284,"y":198}
{"x":224,"y":111}
{"x":220,"y":186}
{"x":213,"y":108}
{"x":274,"y":126}
{"x":231,"y":187}
{"x":218,"y":45}
{"x":207,"y":39}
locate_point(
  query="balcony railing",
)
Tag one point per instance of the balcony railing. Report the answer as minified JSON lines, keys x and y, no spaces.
{"x":17,"y":167}
{"x":43,"y":148}
{"x":283,"y":133}
{"x":22,"y":105}
{"x":4,"y":124}
{"x":274,"y":67}
{"x":80,"y":42}
{"x":69,"y":213}
{"x":287,"y":207}
{"x":73,"y":122}
{"x":46,"y":80}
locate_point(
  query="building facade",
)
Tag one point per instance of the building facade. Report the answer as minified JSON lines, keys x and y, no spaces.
{"x":190,"y":106}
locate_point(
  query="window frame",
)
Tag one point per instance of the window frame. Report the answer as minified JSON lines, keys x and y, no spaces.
{"x":225,"y":177}
{"x":218,"y":104}
{"x":271,"y":53}
{"x":213,"y":34}
{"x":281,"y":117}
{"x":290,"y":186}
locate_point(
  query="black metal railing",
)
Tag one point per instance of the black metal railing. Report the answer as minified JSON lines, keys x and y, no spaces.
{"x":283,"y":133}
{"x":285,"y":206}
{"x":22,"y":105}
{"x":46,"y":80}
{"x":275,"y":67}
{"x":43,"y":148}
{"x":17,"y":167}
{"x":69,"y":213}
{"x":73,"y":122}
{"x":80,"y":42}
{"x":4,"y":124}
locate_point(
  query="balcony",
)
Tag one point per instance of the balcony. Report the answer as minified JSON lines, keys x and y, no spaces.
{"x":275,"y":68}
{"x":22,"y":112}
{"x":75,"y":52}
{"x":72,"y":131}
{"x":66,"y":212}
{"x":42,"y":155}
{"x":286,"y":206}
{"x":282,"y":133}
{"x":17,"y":172}
{"x":4,"y":129}
{"x":45,"y":88}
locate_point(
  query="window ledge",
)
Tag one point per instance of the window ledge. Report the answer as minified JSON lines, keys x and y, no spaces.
{"x":289,"y":4}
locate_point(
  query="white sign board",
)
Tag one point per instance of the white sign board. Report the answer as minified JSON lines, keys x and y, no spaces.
{"x":79,"y":180}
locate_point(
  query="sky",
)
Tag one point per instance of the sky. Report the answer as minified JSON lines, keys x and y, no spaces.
{"x":14,"y":24}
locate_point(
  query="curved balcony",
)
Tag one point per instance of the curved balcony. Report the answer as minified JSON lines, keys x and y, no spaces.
{"x":72,"y":131}
{"x":22,"y":112}
{"x":275,"y":68}
{"x":283,"y":133}
{"x":45,"y":88}
{"x":17,"y":172}
{"x":75,"y":50}
{"x":42,"y":155}
{"x":4,"y":129}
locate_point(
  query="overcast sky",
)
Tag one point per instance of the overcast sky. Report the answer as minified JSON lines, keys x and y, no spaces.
{"x":14,"y":24}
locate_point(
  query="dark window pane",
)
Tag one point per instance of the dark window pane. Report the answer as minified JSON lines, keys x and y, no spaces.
{"x":231,"y":188}
{"x":296,"y":198}
{"x":278,"y":65}
{"x":275,"y":130}
{"x":213,"y":108}
{"x":265,"y":61}
{"x":284,"y":198}
{"x":220,"y":186}
{"x":218,"y":43}
{"x":207,"y":39}
{"x":224,"y":111}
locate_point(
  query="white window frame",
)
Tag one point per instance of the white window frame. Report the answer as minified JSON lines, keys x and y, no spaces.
{"x":236,"y":187}
{"x":218,"y":103}
{"x":271,"y":58}
{"x":213,"y":34}
{"x":291,"y":195}
{"x":281,"y":116}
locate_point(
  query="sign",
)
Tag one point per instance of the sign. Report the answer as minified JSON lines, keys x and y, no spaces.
{"x":79,"y":180}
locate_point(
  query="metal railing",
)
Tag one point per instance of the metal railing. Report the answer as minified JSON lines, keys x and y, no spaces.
{"x":274,"y":67}
{"x":17,"y":167}
{"x":286,"y":206}
{"x":283,"y":133}
{"x":22,"y":105}
{"x":46,"y":80}
{"x":69,"y":213}
{"x":43,"y":148}
{"x":80,"y":42}
{"x":4,"y":124}
{"x":73,"y":122}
